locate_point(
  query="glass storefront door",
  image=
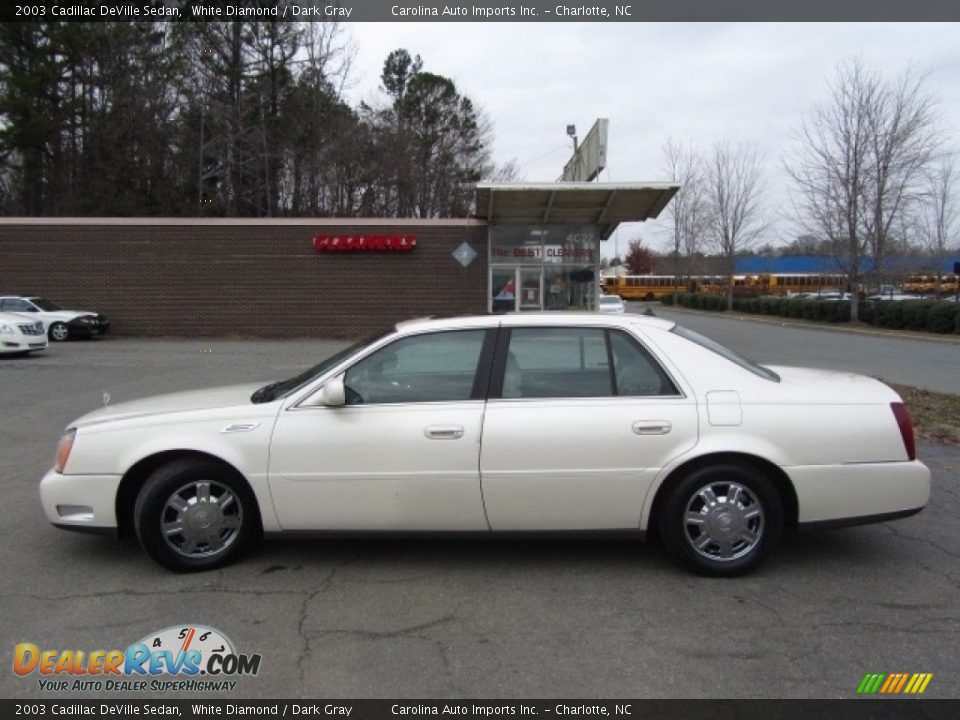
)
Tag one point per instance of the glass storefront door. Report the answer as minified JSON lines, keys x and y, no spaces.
{"x":516,"y":288}
{"x":531,"y":284}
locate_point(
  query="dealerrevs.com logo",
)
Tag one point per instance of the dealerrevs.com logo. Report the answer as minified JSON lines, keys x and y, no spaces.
{"x":186,"y":658}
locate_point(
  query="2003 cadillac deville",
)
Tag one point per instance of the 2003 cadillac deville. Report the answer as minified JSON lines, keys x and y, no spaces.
{"x":517,"y":423}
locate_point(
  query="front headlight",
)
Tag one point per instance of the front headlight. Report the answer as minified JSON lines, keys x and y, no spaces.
{"x":7,"y":330}
{"x":63,"y":449}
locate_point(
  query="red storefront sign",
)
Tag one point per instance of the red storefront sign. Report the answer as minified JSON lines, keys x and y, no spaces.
{"x":364,"y":243}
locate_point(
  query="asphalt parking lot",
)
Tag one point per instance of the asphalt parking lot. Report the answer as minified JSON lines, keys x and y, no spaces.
{"x":440,"y":618}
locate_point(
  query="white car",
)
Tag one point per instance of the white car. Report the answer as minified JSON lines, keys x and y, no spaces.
{"x":611,"y":304}
{"x":60,"y":324}
{"x":20,"y":335}
{"x":895,"y":297}
{"x":521,"y":423}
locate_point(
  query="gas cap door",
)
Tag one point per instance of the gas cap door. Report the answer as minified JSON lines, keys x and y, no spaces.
{"x":723,"y":408}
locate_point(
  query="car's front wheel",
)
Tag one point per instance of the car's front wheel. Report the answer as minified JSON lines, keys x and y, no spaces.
{"x":722,"y":520}
{"x":59,"y":331}
{"x":194,"y":515}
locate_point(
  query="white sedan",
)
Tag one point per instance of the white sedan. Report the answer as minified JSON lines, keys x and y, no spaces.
{"x":612,"y":304}
{"x":20,"y":335}
{"x":519,"y":423}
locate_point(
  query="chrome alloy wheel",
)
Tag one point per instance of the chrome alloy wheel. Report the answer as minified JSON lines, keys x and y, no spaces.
{"x":723,"y":521}
{"x":201,"y":519}
{"x":59,"y":331}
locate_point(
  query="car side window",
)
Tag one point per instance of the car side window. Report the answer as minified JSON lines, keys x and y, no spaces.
{"x":635,"y":371}
{"x":557,"y":362}
{"x":433,"y":367}
{"x":16,"y":305}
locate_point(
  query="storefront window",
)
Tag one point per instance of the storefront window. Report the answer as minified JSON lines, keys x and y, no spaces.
{"x":549,"y":267}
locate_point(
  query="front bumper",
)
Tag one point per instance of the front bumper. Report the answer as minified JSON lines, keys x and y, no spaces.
{"x":80,"y":502}
{"x":14,"y":344}
{"x":90,"y":329}
{"x":859,"y":493}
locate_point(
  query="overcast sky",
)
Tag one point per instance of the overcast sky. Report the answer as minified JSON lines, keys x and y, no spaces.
{"x":701,"y":82}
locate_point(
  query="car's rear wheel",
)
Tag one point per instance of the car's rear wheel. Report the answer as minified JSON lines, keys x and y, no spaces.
{"x":59,"y":331}
{"x":194,"y":515}
{"x":722,"y":520}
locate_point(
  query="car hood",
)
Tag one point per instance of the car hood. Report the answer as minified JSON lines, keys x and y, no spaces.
{"x":205,"y":399}
{"x":66,"y":315}
{"x":17,"y":318}
{"x":835,"y":386}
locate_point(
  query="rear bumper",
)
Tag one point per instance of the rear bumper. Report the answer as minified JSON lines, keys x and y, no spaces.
{"x":859,"y":493}
{"x":80,"y":502}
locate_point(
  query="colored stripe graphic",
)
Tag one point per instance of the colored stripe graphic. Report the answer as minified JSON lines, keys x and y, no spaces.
{"x":894,"y":683}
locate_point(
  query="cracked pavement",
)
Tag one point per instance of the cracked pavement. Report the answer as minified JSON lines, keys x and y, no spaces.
{"x":415,"y":618}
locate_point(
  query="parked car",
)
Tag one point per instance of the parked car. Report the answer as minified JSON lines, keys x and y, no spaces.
{"x":518,"y":423}
{"x":611,"y":304}
{"x":895,"y":297}
{"x":60,"y":324}
{"x":20,"y":335}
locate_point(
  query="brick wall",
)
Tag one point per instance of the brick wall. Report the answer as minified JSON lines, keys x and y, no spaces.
{"x":256,"y":279}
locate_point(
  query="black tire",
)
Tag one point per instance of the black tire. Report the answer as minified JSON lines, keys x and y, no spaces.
{"x":58,"y":332}
{"x":215,"y":529}
{"x":737,"y":532}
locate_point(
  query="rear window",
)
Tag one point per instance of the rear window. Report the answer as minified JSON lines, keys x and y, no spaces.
{"x":726,"y":353}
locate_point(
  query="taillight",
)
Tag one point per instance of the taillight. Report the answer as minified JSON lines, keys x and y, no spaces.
{"x":63,"y":450}
{"x":905,"y":424}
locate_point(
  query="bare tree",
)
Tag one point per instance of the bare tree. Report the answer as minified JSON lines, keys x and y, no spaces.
{"x":938,"y":224}
{"x":904,"y":140}
{"x":831,"y":170}
{"x":689,"y":212}
{"x":860,"y":161}
{"x":733,"y":187}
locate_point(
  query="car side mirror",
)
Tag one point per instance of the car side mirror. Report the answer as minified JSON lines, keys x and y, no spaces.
{"x":333,"y":393}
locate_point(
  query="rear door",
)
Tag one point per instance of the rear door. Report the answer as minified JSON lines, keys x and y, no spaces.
{"x":578,"y":423}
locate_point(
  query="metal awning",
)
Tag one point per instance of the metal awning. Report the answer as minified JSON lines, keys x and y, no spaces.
{"x":603,"y":204}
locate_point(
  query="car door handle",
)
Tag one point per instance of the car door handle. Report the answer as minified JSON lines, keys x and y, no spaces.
{"x":443,"y":432}
{"x":652,"y":427}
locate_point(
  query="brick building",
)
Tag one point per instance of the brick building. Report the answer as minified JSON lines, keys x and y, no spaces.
{"x":529,"y":247}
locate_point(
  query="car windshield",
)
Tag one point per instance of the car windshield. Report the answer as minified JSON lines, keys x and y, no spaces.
{"x":726,"y":353}
{"x":609,"y":301}
{"x":45,"y":304}
{"x":281,"y":388}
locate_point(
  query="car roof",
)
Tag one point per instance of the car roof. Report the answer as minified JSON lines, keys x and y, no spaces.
{"x":543,"y":319}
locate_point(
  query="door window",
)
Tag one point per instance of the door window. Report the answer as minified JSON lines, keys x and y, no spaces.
{"x":434,"y":367}
{"x":580,"y":362}
{"x":17,"y":305}
{"x":635,"y":371}
{"x":557,"y":362}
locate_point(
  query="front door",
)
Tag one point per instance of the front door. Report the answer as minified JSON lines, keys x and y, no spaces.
{"x":402,"y":454}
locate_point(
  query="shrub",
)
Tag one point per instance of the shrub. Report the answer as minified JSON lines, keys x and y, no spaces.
{"x":667,"y":299}
{"x":915,"y":314}
{"x":841,"y":311}
{"x":892,"y":314}
{"x":943,"y":317}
